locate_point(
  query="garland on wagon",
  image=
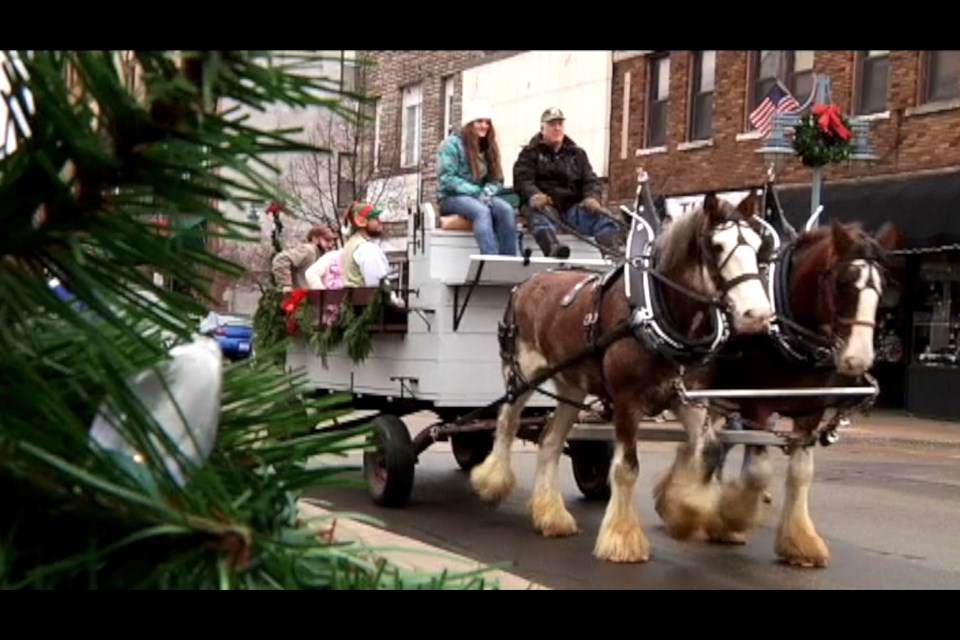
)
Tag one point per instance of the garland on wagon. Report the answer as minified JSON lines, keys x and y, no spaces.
{"x":278,"y":318}
{"x":822,"y":136}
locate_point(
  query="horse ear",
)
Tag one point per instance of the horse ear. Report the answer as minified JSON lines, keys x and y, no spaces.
{"x":889,"y":237}
{"x":711,"y":206}
{"x":843,"y":242}
{"x":749,"y":206}
{"x":660,"y":209}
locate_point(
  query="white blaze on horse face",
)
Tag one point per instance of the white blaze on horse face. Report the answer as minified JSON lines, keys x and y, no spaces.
{"x":751,"y":308}
{"x":857,"y":355}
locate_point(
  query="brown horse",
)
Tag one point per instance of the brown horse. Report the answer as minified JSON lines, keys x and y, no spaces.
{"x":711,"y":252}
{"x":830,"y":285}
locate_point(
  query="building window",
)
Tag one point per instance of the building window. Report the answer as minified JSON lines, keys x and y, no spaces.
{"x":659,"y":101}
{"x":377,"y":124}
{"x":449,"y":86}
{"x":942,"y":74}
{"x":346,"y":180}
{"x":349,"y":72}
{"x":411,"y":103}
{"x":873,"y":81}
{"x":701,"y":95}
{"x":794,"y":69}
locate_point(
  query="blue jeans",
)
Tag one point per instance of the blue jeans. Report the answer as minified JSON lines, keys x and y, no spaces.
{"x":589,"y":224}
{"x":494,"y":226}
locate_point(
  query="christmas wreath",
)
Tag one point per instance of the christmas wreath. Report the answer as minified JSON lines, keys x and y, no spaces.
{"x":822,"y":136}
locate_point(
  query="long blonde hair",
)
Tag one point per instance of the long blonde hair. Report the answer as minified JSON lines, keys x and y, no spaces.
{"x":476,"y":145}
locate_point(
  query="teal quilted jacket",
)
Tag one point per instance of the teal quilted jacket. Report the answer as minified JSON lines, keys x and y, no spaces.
{"x":454,"y":176}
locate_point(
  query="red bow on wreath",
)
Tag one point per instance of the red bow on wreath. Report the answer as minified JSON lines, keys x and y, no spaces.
{"x":828,"y":116}
{"x":289,"y":305}
{"x":274,"y":209}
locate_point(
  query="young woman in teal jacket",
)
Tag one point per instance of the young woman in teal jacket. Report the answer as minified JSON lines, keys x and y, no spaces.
{"x":470,"y":178}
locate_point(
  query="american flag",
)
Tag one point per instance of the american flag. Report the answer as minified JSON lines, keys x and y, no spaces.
{"x":778,"y":100}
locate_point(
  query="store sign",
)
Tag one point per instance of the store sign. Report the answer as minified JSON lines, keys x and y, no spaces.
{"x":678,"y":205}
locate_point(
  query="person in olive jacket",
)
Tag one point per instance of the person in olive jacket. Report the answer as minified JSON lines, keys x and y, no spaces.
{"x":554,"y":179}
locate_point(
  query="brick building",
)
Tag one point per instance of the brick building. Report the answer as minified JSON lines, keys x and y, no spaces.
{"x":684,"y":117}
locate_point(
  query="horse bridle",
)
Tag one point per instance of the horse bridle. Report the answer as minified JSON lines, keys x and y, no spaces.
{"x":716,"y":271}
{"x":829,"y":279}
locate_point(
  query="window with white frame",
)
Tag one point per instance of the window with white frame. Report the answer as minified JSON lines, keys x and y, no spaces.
{"x":701,"y":98}
{"x":942,"y":75}
{"x":449,"y":85}
{"x":658,"y":104}
{"x":794,"y":69}
{"x":349,"y":72}
{"x":411,"y":105}
{"x":873,"y":81}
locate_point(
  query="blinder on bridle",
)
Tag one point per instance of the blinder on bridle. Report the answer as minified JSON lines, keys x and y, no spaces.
{"x":876,"y":262}
{"x":765,"y":253}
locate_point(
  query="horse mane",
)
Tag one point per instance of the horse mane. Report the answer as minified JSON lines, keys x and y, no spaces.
{"x":678,"y":246}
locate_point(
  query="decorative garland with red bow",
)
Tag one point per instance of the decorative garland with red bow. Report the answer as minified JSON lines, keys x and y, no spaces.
{"x":290,"y":305}
{"x":822,"y":136}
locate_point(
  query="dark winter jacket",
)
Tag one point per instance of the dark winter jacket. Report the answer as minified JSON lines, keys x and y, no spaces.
{"x":564,"y":175}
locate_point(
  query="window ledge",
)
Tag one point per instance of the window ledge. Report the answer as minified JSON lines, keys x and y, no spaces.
{"x":871,"y":117}
{"x":649,"y":151}
{"x":695,"y":144}
{"x":749,"y":135}
{"x":933,"y":107}
{"x":620,"y":56}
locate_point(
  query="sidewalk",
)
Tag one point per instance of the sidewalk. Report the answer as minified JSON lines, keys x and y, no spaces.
{"x":900,"y":428}
{"x":409,"y":554}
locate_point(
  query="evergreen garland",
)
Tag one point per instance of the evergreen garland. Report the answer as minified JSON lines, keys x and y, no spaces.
{"x":351,"y":329}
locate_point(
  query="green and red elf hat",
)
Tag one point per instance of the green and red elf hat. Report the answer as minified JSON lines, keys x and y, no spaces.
{"x":361,"y":213}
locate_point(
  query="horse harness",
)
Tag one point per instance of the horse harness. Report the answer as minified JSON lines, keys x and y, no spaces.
{"x":648,"y":320}
{"x":795,"y":341}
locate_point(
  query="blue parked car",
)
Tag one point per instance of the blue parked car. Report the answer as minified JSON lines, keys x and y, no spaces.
{"x":233,"y":332}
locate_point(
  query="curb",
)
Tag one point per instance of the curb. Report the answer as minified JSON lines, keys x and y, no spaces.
{"x":412,"y":555}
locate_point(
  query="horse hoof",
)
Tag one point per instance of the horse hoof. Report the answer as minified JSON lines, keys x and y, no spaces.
{"x":808,"y":552}
{"x":728,"y":537}
{"x":622,"y":546}
{"x":563,"y":529}
{"x":550,"y":516}
{"x":492,"y":482}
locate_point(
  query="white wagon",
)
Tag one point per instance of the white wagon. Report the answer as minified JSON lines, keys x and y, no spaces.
{"x":442,"y":354}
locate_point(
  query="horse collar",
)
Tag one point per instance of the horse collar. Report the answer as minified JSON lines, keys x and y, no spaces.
{"x":648,"y":310}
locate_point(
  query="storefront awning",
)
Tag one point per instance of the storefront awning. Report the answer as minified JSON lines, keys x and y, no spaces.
{"x":926,"y":209}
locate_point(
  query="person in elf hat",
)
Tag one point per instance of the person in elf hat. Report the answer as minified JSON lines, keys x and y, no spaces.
{"x":364,"y":262}
{"x":470,"y":177}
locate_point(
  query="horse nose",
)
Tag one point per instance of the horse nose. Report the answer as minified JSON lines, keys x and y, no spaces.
{"x":758,"y":317}
{"x":853,"y":365}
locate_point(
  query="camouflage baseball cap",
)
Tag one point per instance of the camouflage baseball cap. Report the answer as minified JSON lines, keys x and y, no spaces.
{"x":552,"y":114}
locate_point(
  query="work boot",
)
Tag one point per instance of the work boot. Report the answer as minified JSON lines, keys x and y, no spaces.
{"x":551,"y":247}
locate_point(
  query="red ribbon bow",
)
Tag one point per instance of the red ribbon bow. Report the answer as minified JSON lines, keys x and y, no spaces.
{"x":828,"y":116}
{"x":274,"y":209}
{"x":290,"y":304}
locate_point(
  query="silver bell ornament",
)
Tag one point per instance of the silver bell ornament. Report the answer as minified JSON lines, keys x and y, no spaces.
{"x":183,"y":396}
